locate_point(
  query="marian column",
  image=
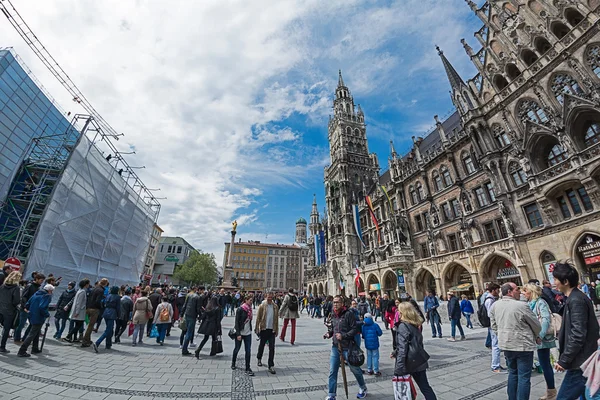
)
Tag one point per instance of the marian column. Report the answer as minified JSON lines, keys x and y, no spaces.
{"x":228,"y":270}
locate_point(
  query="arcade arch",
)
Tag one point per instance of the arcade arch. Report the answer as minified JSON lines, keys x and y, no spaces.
{"x":320,"y":289}
{"x":424,"y":282}
{"x":389,"y":284}
{"x":586,"y":255}
{"x":500,"y":268}
{"x":456,"y":277}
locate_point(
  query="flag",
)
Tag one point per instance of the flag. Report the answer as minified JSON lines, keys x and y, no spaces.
{"x":356,"y":275}
{"x":374,"y":218}
{"x":317,"y":251}
{"x":341,"y":282}
{"x":357,"y":228}
{"x":159,"y":275}
{"x":322,"y":244}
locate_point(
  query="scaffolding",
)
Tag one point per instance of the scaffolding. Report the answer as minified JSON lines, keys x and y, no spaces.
{"x":31,"y":189}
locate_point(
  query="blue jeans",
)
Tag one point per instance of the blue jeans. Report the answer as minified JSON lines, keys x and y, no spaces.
{"x":495,"y":349}
{"x":519,"y":374}
{"x":373,"y":360}
{"x":108,"y":333}
{"x":456,"y":323}
{"x":469,"y":323}
{"x":334,"y":366}
{"x":544,"y":358}
{"x":488,"y":339}
{"x":22,"y":321}
{"x":162,"y":331}
{"x":434,"y":320}
{"x":59,"y":323}
{"x":189,"y":335}
{"x":573,"y":385}
{"x":247,"y":349}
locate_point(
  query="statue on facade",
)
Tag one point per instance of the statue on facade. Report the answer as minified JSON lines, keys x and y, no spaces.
{"x":525,"y":165}
{"x":466,"y":203}
{"x":566,"y":143}
{"x":505,"y":220}
{"x":465,"y":238}
{"x":435,"y":218}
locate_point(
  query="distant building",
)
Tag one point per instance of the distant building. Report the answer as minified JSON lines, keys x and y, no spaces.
{"x":172,"y":251}
{"x":152,"y":251}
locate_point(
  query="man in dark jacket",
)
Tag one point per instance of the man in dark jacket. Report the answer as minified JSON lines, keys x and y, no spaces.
{"x":192,"y":309}
{"x":383,"y":306}
{"x":222,"y":302}
{"x":363,"y":307}
{"x":155,"y":299}
{"x":37,"y":308}
{"x":454,"y":314}
{"x":29,"y":291}
{"x":431,"y":304}
{"x":125,"y":314}
{"x":578,"y":337}
{"x":93,"y":308}
{"x":343,"y":329}
{"x":6,"y":270}
{"x":63,"y":307}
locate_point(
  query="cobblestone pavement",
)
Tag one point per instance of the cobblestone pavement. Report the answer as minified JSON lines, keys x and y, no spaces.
{"x":458,"y":371}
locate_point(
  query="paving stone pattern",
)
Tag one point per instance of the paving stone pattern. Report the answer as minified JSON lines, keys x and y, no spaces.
{"x":458,"y":370}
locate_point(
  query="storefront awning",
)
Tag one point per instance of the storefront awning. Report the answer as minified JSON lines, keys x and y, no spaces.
{"x":463,"y":287}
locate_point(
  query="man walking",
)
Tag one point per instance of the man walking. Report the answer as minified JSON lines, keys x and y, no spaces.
{"x":222,"y":303}
{"x":363,"y":307}
{"x":27,"y":294}
{"x":431,"y":304}
{"x":491,"y":297}
{"x":37,"y":309}
{"x":267,"y":325}
{"x":289,"y":312}
{"x":343,"y":329}
{"x":94,"y":307}
{"x":517,"y":329}
{"x":578,"y":337}
{"x":191,"y":311}
{"x":454,"y":314}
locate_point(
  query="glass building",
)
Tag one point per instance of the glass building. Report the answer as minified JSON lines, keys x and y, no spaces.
{"x":26,"y":112}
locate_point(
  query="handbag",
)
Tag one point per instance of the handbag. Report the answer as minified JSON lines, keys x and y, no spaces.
{"x":232,"y":335}
{"x":154,"y":331}
{"x":131,"y":329}
{"x":217,"y":346}
{"x":183,"y":325}
{"x":356,"y":357}
{"x":404,"y":388}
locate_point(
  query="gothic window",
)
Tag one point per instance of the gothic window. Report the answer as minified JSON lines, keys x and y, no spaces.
{"x":500,"y":82}
{"x":349,"y":131}
{"x":460,"y":104}
{"x":446,"y":176}
{"x":533,"y":215}
{"x":501,"y":137}
{"x":413,"y":195}
{"x":592,"y":135}
{"x":437,"y":181}
{"x":357,"y":132}
{"x":530,"y":110}
{"x":593,"y":58}
{"x":542,"y":45}
{"x":573,"y":17}
{"x":468,"y":163}
{"x":420,"y":191}
{"x":512,"y":71}
{"x":517,"y":174}
{"x":564,"y":83}
{"x":559,"y":29}
{"x":557,"y":154}
{"x":528,"y":57}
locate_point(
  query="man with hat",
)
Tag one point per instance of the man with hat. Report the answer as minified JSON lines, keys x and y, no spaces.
{"x":63,"y":307}
{"x":454,"y":314}
{"x":37,"y":309}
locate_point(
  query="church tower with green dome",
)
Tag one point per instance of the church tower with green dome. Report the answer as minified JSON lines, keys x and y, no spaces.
{"x":300,"y":231}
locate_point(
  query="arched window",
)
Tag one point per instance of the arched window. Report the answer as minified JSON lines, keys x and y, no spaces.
{"x":446,"y":176}
{"x":357,"y":132}
{"x":573,"y":17}
{"x":542,"y":45}
{"x":557,"y":154}
{"x":593,"y":58}
{"x":460,"y":104}
{"x":528,"y":57}
{"x":559,"y":29}
{"x":349,"y":131}
{"x":592,"y":135}
{"x":501,"y":137}
{"x":530,"y":110}
{"x":413,"y":195}
{"x":437,"y":181}
{"x":564,"y":83}
{"x":519,"y":177}
{"x":512,"y":71}
{"x":420,"y":191}
{"x":500,"y":82}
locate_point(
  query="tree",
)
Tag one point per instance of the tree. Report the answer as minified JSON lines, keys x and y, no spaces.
{"x":200,"y":268}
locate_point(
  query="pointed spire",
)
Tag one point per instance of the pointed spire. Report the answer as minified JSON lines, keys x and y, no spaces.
{"x":455,"y":80}
{"x":393,"y":150}
{"x":441,"y":130}
{"x":360,"y":111}
{"x":340,"y":79}
{"x":468,"y":48}
{"x":472,"y":5}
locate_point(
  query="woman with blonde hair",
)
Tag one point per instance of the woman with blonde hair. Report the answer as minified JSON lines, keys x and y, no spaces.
{"x":10,"y":298}
{"x":411,"y":357}
{"x":546,"y":339}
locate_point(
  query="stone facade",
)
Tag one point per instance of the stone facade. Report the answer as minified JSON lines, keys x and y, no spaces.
{"x":500,"y":189}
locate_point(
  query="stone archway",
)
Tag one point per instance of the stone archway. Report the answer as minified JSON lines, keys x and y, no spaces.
{"x":586,"y":257}
{"x":499,"y":267}
{"x":373,"y":284}
{"x":389,"y":284}
{"x":320,"y":292}
{"x":424,"y":282}
{"x":456,"y":277}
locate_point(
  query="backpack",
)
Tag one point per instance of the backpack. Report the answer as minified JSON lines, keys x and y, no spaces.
{"x":164,"y":315}
{"x":482,"y":315}
{"x":293,"y":303}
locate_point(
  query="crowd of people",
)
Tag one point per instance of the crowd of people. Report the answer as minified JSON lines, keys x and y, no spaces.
{"x":550,"y":325}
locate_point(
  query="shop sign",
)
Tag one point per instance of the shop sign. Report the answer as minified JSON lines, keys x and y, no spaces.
{"x":590,"y":245}
{"x":592,"y":260}
{"x":374,"y":286}
{"x":509,"y":272}
{"x":549,"y":267}
{"x":172,"y":258}
{"x":400,"y":274}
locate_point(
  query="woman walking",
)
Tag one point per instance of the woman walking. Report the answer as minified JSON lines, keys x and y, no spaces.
{"x":467,"y":310}
{"x":142,"y":311}
{"x":243,"y":332}
{"x":78,"y":312}
{"x":211,"y":324}
{"x":110,"y":315}
{"x":162,"y":319}
{"x":546,"y":339}
{"x":10,"y":298}
{"x":411,"y":357}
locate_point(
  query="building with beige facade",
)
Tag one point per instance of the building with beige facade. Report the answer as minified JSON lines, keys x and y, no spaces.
{"x":151,"y":253}
{"x":497,"y":192}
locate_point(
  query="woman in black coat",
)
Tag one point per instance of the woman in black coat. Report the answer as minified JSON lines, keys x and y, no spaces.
{"x":10,"y":298}
{"x":411,"y":357}
{"x":63,"y":308}
{"x":210,"y":326}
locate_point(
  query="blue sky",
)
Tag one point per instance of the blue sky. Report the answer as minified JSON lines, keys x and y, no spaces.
{"x":227,"y":102}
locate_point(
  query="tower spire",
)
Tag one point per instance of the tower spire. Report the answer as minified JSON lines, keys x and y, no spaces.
{"x":340,"y":79}
{"x":455,"y":80}
{"x":393,"y":150}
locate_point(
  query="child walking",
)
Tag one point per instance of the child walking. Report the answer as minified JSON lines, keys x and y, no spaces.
{"x":370,"y":333}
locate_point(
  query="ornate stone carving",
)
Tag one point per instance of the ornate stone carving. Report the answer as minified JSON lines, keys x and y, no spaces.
{"x":508,"y":225}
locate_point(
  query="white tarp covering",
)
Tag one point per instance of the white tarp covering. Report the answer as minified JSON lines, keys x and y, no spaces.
{"x":95,"y":226}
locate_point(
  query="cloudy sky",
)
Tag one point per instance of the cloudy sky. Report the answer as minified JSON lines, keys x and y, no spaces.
{"x":226,"y":102}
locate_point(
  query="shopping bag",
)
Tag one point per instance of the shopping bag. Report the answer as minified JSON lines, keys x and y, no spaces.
{"x":131,"y":329}
{"x":154,"y":331}
{"x":217,"y":346}
{"x":404,"y":388}
{"x":183,"y":325}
